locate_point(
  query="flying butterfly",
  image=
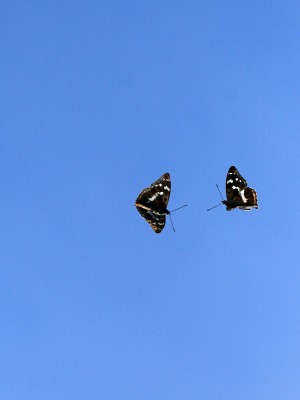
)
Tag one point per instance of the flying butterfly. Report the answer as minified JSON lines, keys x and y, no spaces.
{"x":238,"y":194}
{"x":152,"y":203}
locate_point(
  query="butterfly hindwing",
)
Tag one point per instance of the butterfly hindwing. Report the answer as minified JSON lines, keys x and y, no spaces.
{"x":239,"y":195}
{"x":152,"y":202}
{"x":156,"y":221}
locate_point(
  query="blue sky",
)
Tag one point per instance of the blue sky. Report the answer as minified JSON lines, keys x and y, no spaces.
{"x":99,"y":99}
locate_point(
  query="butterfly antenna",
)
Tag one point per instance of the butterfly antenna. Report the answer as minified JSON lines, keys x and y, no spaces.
{"x":171,"y":217}
{"x":172,"y":222}
{"x":214,"y":207}
{"x":179,"y":208}
{"x":221,"y":198}
{"x":219,"y":191}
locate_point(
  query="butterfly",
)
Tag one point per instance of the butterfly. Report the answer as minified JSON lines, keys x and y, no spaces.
{"x":238,"y":194}
{"x":152,"y":202}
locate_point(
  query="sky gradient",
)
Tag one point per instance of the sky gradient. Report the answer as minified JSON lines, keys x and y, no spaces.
{"x":98,"y":100}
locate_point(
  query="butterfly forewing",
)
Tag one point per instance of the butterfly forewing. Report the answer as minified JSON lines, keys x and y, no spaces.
{"x":237,"y":193}
{"x":152,"y":202}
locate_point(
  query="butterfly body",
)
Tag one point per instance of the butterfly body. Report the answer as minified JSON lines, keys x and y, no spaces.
{"x":238,"y":194}
{"x":152,"y":202}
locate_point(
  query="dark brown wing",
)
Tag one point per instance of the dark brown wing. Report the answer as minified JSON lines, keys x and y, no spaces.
{"x":249,"y":197}
{"x":152,"y":202}
{"x":235,"y":183}
{"x":156,"y":197}
{"x":157,"y":222}
{"x":237,"y":193}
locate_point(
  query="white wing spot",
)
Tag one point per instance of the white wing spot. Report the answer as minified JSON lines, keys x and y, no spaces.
{"x":242,"y":193}
{"x":152,"y":198}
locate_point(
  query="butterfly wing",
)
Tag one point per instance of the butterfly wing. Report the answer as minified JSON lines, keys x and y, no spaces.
{"x":157,"y":195}
{"x":249,"y":197}
{"x":235,"y":183}
{"x":152,"y":202}
{"x":239,"y":195}
{"x":156,"y":221}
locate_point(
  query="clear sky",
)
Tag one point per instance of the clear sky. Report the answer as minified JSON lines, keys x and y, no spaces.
{"x":98,"y":100}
